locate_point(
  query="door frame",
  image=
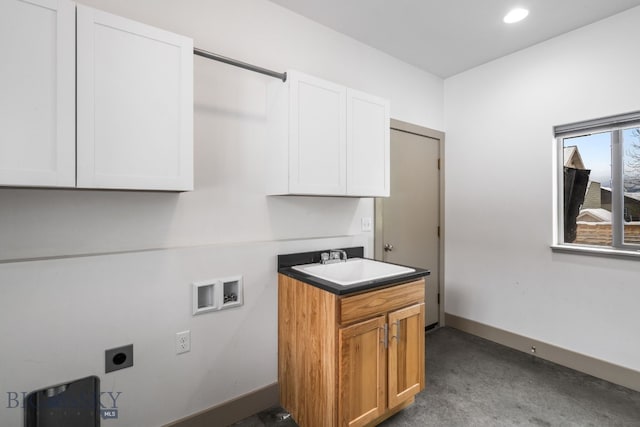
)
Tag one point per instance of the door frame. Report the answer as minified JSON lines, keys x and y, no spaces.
{"x":377,"y":241}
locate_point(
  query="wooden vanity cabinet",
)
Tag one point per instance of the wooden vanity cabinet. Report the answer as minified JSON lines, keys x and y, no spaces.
{"x":350,"y":360}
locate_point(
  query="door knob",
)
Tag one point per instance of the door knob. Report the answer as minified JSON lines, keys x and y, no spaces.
{"x":388,"y":247}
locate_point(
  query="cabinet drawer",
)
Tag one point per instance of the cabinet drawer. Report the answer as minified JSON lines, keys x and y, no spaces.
{"x":361,"y":306}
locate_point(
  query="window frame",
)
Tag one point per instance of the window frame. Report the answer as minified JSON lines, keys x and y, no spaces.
{"x":615,"y":125}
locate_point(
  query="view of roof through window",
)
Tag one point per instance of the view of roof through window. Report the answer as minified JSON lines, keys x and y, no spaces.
{"x":590,"y":155}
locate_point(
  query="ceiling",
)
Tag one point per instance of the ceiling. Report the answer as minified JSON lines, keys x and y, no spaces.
{"x":446,"y":37}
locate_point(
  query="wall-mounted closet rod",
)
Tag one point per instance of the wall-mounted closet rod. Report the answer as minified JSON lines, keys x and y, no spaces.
{"x":215,"y":57}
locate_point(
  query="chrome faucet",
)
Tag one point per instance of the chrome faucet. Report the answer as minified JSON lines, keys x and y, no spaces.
{"x":334,"y":255}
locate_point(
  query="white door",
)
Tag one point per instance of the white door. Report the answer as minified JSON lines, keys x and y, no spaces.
{"x":37,"y":87}
{"x":367,"y":145}
{"x":410,"y":217}
{"x":135,"y":105}
{"x":317,"y":146}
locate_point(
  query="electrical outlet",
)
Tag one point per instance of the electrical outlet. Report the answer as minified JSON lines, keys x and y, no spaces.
{"x":118,"y":358}
{"x":183,"y":342}
{"x":366,"y":224}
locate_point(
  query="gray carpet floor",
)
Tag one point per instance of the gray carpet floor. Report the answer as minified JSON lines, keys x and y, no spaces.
{"x":472,"y":382}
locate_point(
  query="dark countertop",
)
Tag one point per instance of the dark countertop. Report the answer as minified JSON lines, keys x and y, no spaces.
{"x":285,"y":262}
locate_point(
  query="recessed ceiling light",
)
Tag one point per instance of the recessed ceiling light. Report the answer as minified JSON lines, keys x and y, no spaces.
{"x":515,"y":15}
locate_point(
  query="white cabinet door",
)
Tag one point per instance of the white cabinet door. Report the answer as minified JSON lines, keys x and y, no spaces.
{"x":135,"y":105}
{"x":37,"y":93}
{"x":368,"y":126}
{"x":317,"y":138}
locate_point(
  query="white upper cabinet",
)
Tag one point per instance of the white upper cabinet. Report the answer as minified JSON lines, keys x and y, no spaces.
{"x":317,"y":145}
{"x":108,"y":107}
{"x":135,"y":105}
{"x":326,"y":139}
{"x":37,"y":93}
{"x":368,"y":136}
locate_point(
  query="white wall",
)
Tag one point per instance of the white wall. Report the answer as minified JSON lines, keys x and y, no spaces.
{"x":500,"y":269}
{"x":59,"y":312}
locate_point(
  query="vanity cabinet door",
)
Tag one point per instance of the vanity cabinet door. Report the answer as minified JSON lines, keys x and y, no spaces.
{"x":406,"y":353}
{"x":317,"y":146}
{"x":135,"y":105}
{"x":37,"y":87}
{"x":362,"y":372}
{"x":368,"y":145}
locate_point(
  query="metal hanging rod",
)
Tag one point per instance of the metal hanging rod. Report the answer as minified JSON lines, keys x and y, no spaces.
{"x":215,"y":57}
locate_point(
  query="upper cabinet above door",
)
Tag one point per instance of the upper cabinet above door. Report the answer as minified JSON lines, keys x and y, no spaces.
{"x":326,"y":139}
{"x":135,"y":105}
{"x":37,"y":93}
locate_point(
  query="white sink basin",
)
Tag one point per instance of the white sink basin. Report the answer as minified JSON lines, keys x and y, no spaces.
{"x":354,"y":270}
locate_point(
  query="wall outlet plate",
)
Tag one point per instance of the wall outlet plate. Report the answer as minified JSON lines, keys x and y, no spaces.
{"x":183,"y":342}
{"x":118,"y":358}
{"x":366,"y":223}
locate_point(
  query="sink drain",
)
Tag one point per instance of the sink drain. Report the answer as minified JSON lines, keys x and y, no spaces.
{"x":274,"y":416}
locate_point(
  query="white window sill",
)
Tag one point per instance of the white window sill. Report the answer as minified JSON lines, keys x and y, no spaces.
{"x":597,"y":251}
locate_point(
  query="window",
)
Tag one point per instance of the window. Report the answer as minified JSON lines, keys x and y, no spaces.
{"x":599,"y":184}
